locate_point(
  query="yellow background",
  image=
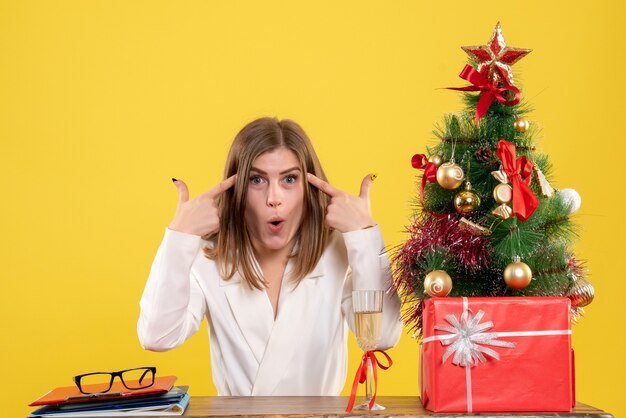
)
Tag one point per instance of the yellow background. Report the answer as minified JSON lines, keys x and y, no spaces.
{"x":102,"y":102}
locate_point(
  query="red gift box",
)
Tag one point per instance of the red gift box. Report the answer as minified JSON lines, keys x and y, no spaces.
{"x":497,"y":354}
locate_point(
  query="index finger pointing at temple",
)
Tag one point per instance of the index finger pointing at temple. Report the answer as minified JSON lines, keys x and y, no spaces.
{"x":323,"y":185}
{"x":222,"y":186}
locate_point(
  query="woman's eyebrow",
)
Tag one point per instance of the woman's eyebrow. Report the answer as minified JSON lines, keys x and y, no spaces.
{"x":258,"y":170}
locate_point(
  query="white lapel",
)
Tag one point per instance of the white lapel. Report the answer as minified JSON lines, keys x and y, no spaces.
{"x":295,"y":307}
{"x":252,"y":311}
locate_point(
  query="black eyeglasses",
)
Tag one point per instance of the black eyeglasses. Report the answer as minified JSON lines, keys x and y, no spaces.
{"x":100,"y":382}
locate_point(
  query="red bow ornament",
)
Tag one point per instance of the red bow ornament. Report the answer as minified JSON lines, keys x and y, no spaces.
{"x":420,"y":161}
{"x":519,"y":173}
{"x":490,"y":91}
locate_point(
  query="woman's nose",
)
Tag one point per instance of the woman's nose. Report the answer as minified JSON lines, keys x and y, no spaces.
{"x":274,"y":197}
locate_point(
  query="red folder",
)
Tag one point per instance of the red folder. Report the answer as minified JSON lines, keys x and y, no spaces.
{"x":71,"y":394}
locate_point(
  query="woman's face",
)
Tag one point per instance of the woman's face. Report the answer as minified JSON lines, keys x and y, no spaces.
{"x":275,"y":200}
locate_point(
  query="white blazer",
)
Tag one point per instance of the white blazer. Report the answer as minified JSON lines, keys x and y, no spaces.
{"x":301,"y":352}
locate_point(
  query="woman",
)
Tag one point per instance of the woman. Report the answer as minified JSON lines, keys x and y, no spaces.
{"x":270,"y":257}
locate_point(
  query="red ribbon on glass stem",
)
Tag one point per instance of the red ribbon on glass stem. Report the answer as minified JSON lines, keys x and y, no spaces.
{"x":490,"y":91}
{"x":519,"y":172}
{"x":361,"y":375}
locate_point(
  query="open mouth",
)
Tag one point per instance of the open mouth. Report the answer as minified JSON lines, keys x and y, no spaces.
{"x":276,"y":224}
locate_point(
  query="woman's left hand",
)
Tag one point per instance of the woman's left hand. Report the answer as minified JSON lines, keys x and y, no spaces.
{"x":346,"y":212}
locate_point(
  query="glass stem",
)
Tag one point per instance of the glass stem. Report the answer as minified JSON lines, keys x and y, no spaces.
{"x":369,"y":381}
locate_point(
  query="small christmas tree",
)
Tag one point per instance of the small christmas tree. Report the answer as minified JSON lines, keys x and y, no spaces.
{"x":487,"y":221}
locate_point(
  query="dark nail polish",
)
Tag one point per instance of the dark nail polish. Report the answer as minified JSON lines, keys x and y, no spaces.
{"x":174,"y":180}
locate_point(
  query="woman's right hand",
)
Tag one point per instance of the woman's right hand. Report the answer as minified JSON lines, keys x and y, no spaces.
{"x":200,"y":215}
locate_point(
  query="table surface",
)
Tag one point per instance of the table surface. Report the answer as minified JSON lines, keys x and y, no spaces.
{"x":335,"y":406}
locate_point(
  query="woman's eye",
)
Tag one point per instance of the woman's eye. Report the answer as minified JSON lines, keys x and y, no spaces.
{"x":256,"y":180}
{"x":291,"y":179}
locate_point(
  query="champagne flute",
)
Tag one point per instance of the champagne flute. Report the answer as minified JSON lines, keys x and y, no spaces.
{"x":368,"y":312}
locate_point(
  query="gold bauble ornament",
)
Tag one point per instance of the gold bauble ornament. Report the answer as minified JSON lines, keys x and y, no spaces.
{"x":581,"y":293}
{"x":436,"y":159}
{"x":437,"y":283}
{"x":450,"y":175}
{"x":517,"y":275}
{"x":466,"y":201}
{"x":521,"y":125}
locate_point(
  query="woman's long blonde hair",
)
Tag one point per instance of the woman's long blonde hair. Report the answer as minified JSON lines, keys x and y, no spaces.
{"x":233,"y":247}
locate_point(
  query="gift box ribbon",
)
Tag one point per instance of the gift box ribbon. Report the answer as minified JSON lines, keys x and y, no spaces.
{"x":467,"y":342}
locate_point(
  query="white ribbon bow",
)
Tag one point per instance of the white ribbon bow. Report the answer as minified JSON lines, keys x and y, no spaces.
{"x":467,"y":339}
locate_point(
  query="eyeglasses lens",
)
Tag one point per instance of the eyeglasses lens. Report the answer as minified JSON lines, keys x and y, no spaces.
{"x":95,"y":382}
{"x":138,"y":378}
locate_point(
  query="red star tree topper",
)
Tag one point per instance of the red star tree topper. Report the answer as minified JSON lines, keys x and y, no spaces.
{"x":495,"y":58}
